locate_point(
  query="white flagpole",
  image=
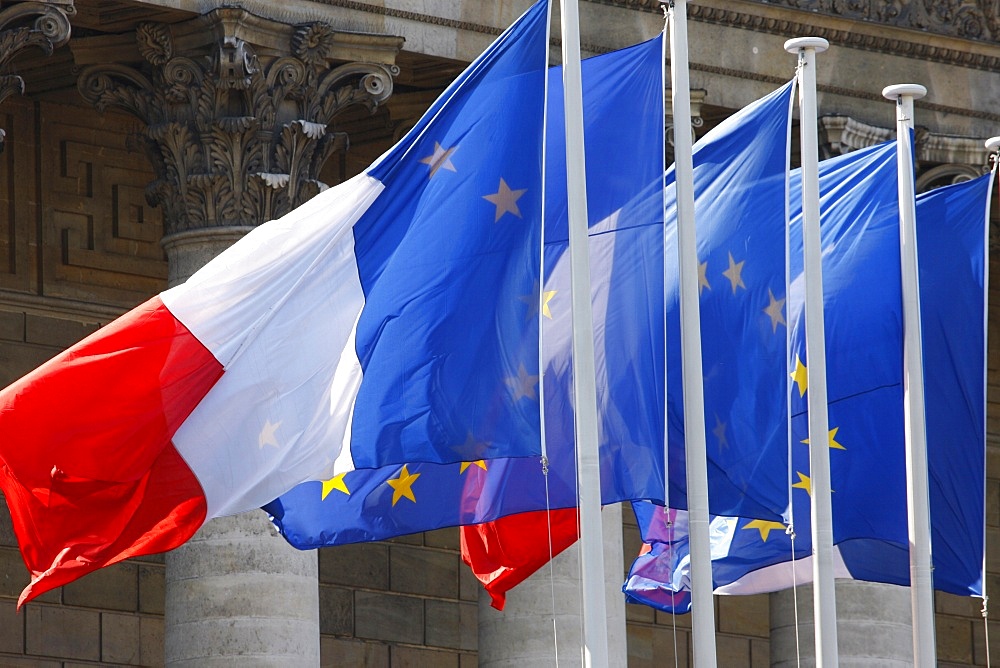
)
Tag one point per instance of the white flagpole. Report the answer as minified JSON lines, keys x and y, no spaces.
{"x":824,"y":594}
{"x":914,"y":425}
{"x":702,"y":605}
{"x":595,"y":629}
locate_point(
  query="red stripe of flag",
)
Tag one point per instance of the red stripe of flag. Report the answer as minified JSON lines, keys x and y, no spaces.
{"x":504,"y":553}
{"x":103,"y":482}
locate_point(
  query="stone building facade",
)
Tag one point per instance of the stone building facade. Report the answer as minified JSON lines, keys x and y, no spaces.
{"x":142,"y":137}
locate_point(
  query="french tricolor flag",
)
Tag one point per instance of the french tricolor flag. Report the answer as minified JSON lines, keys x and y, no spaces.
{"x":375,"y":325}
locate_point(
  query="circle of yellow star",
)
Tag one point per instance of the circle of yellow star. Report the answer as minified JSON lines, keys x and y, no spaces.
{"x":735,"y":273}
{"x":775,"y":311}
{"x":523,"y":384}
{"x":440,"y":159}
{"x":805,"y":482}
{"x":765,"y":527}
{"x":335,"y":483}
{"x":505,"y":200}
{"x":403,"y":485}
{"x":800,"y":376}
{"x":703,"y":278}
{"x":832,"y":436}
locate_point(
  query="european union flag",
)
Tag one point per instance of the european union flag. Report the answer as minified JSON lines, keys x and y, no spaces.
{"x":444,"y":255}
{"x":864,"y":355}
{"x":739,"y":183}
{"x":624,"y":130}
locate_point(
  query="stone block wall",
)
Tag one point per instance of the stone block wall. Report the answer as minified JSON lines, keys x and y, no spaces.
{"x":406,"y":601}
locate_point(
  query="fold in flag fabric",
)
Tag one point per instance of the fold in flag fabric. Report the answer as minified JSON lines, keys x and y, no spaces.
{"x":362,"y":505}
{"x":378,"y":324}
{"x":627,"y":270}
{"x":739,"y":172}
{"x":864,"y":355}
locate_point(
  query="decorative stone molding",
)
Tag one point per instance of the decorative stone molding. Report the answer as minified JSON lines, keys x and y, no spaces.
{"x":43,"y":24}
{"x":961,"y":155}
{"x":946,"y":175}
{"x":966,"y":19}
{"x":941,"y":160}
{"x":841,"y":134}
{"x":236,"y":108}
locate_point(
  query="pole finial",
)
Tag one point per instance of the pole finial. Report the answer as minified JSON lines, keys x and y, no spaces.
{"x":818,"y":44}
{"x":915,"y":91}
{"x":993,"y":144}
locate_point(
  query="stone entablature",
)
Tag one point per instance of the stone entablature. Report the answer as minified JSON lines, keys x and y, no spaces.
{"x":966,"y":19}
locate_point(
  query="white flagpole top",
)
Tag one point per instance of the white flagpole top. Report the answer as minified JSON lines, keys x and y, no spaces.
{"x":916,"y":91}
{"x":801,"y":43}
{"x":993,"y":144}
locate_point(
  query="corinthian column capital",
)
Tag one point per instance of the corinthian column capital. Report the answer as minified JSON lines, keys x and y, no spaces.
{"x":236,"y":108}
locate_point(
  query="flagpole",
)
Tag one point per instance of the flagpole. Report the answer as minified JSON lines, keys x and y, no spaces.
{"x":914,"y":425}
{"x":702,"y":605}
{"x":595,"y":630}
{"x":824,"y":594}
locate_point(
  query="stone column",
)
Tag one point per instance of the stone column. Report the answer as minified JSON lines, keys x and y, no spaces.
{"x":874,"y":626}
{"x":236,"y":589}
{"x":522,"y":635}
{"x":236,"y":111}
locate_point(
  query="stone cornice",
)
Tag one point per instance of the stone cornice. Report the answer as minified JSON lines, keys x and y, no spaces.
{"x":976,"y":20}
{"x":796,"y":23}
{"x":845,"y":38}
{"x":965,"y":19}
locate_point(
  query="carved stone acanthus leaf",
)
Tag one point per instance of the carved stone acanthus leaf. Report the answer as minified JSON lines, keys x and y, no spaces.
{"x":43,"y":24}
{"x":237,"y":135}
{"x":153,"y":40}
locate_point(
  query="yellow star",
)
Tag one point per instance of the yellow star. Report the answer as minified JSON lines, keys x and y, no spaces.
{"x":335,"y":483}
{"x":480,"y":463}
{"x":805,"y":482}
{"x":764,"y":527}
{"x":833,"y":440}
{"x":505,"y":200}
{"x":471,"y":446}
{"x":523,"y":385}
{"x":775,"y":311}
{"x":735,"y":273}
{"x":703,"y":277}
{"x":532,"y":302}
{"x":403,"y":485}
{"x":720,"y":433}
{"x":440,"y":159}
{"x":800,"y":376}
{"x":267,"y":436}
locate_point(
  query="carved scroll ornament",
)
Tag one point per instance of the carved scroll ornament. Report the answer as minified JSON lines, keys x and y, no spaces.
{"x":43,"y":25}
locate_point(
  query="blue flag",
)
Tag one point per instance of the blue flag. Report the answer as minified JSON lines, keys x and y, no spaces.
{"x":443,"y":256}
{"x":864,"y":356}
{"x":624,"y":155}
{"x":739,"y":187}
